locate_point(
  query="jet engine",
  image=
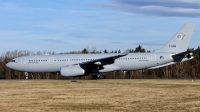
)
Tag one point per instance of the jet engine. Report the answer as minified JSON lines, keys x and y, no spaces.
{"x":72,"y":71}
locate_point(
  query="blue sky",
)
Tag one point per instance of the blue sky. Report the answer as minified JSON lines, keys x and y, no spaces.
{"x":71,"y":25}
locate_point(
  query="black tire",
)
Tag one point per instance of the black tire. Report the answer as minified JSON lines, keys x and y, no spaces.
{"x":94,"y":77}
{"x":102,"y":77}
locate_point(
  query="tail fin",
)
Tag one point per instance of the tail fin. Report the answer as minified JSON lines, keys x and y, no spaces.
{"x":180,"y":41}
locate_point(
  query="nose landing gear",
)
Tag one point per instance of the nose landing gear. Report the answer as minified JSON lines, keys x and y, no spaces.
{"x":26,"y":75}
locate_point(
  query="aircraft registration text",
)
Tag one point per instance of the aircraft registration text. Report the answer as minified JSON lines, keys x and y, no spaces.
{"x":172,"y":45}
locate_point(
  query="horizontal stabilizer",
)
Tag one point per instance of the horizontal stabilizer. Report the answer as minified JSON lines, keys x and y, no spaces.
{"x":183,"y":54}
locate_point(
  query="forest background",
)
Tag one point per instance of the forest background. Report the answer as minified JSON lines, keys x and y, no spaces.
{"x":184,"y":70}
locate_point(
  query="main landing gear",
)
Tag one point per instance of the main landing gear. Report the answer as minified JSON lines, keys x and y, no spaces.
{"x":98,"y":76}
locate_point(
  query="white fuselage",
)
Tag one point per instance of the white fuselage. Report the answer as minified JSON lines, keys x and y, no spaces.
{"x":175,"y":50}
{"x":53,"y":63}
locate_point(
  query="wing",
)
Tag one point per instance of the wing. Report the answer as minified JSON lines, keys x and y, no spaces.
{"x":102,"y":61}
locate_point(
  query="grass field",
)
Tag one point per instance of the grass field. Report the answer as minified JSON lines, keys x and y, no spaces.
{"x":99,"y":95}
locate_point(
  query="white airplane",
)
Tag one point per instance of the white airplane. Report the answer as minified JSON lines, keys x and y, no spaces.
{"x":173,"y":52}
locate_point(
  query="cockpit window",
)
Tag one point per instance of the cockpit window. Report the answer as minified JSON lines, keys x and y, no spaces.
{"x":12,"y":60}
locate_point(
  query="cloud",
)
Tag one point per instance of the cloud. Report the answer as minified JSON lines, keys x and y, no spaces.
{"x":169,"y":8}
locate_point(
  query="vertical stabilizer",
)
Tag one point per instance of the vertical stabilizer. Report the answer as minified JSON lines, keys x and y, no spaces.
{"x":180,"y":41}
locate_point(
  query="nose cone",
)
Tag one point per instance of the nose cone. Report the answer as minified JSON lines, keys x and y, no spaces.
{"x":8,"y":65}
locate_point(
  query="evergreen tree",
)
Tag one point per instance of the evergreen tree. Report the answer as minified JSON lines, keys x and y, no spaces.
{"x":105,"y":51}
{"x":139,"y":49}
{"x":148,"y":51}
{"x":119,"y":51}
{"x":85,"y":51}
{"x":131,"y":51}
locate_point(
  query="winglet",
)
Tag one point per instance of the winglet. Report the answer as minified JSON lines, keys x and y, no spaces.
{"x":125,"y":52}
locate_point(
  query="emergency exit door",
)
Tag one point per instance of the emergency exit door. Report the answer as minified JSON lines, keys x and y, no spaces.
{"x":153,"y":57}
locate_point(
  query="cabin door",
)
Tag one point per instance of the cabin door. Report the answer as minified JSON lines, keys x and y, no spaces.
{"x":51,"y":60}
{"x":23,"y":61}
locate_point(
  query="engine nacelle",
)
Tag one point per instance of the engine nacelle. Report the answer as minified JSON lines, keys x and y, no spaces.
{"x":72,"y":71}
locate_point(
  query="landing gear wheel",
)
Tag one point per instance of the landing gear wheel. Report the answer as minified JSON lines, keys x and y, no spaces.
{"x":94,"y":77}
{"x":102,"y":77}
{"x":26,"y":75}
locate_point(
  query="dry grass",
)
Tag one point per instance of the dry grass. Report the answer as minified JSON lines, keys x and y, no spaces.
{"x":99,"y":95}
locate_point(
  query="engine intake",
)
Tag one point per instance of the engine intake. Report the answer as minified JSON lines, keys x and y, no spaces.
{"x":72,"y":71}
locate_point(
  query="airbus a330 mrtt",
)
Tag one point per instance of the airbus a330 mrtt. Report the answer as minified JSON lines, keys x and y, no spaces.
{"x":173,"y":52}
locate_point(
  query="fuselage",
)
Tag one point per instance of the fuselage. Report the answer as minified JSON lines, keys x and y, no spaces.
{"x":53,"y":63}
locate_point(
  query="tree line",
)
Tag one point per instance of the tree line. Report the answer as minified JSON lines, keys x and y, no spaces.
{"x":183,"y":70}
